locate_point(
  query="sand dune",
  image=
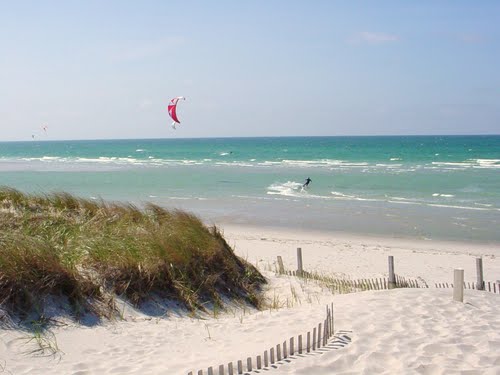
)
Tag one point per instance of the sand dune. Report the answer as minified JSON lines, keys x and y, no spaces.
{"x":402,"y":331}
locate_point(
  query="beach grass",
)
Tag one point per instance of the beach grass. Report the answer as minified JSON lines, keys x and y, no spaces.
{"x":89,"y":252}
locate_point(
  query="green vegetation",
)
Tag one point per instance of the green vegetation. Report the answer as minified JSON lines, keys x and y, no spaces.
{"x":89,"y":252}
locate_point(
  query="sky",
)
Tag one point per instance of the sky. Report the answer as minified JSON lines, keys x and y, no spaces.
{"x":107,"y":69}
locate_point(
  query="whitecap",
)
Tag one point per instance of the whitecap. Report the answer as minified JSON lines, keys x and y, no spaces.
{"x":49,"y":158}
{"x":488,"y":163}
{"x":458,"y":207}
{"x":443,"y":195}
{"x":289,"y":188}
{"x":339,"y":195}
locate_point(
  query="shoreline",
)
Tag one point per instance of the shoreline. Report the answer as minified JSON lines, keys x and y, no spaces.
{"x":380,"y":220}
{"x":460,"y":244}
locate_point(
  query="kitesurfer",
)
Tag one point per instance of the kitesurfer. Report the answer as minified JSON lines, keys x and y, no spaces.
{"x":306,"y":184}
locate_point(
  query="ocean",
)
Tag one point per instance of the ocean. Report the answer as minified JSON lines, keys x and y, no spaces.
{"x":426,"y":187}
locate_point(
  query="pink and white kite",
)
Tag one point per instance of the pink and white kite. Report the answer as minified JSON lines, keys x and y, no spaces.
{"x":172,"y":109}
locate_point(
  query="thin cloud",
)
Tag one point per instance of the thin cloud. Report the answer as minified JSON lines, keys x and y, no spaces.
{"x":369,"y":37}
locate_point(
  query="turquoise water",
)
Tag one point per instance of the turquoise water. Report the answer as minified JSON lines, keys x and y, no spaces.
{"x":439,"y":187}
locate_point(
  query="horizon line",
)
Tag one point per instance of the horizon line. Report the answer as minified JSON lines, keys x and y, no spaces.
{"x":258,"y":136}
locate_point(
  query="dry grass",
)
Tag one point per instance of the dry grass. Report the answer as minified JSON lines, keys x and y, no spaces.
{"x":89,"y":252}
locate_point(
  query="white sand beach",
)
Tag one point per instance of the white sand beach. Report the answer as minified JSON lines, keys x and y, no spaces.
{"x":401,"y":331}
{"x":355,"y":256}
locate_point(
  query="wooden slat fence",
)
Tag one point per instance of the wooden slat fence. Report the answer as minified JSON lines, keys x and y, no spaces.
{"x":338,"y":285}
{"x":488,"y":286}
{"x":342,"y":286}
{"x":295,"y":345}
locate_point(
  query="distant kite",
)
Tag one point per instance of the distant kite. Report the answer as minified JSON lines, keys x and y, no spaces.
{"x":172,"y":110}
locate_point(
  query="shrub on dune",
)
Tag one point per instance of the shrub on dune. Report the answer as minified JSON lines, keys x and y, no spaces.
{"x":88,"y":252}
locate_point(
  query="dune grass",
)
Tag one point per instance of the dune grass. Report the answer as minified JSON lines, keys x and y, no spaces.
{"x":89,"y":252}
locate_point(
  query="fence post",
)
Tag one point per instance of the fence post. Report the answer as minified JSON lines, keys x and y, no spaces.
{"x":230,"y":368}
{"x":319,"y":336}
{"x":292,"y":349}
{"x":249,"y":363}
{"x":210,"y":371}
{"x":300,"y":344}
{"x":300,"y":268}
{"x":327,"y":323}
{"x":458,"y":285}
{"x":281,"y":268}
{"x":314,"y":339}
{"x":221,"y":369}
{"x":259,"y":362}
{"x":333,"y":325}
{"x":240,"y":367}
{"x":479,"y":271}
{"x":325,"y":332}
{"x":266,"y":359}
{"x":392,"y":276}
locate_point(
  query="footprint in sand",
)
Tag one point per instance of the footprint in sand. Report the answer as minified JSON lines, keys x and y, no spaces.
{"x":80,"y":366}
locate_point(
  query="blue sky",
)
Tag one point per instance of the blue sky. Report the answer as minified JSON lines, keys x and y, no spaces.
{"x":107,"y":69}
